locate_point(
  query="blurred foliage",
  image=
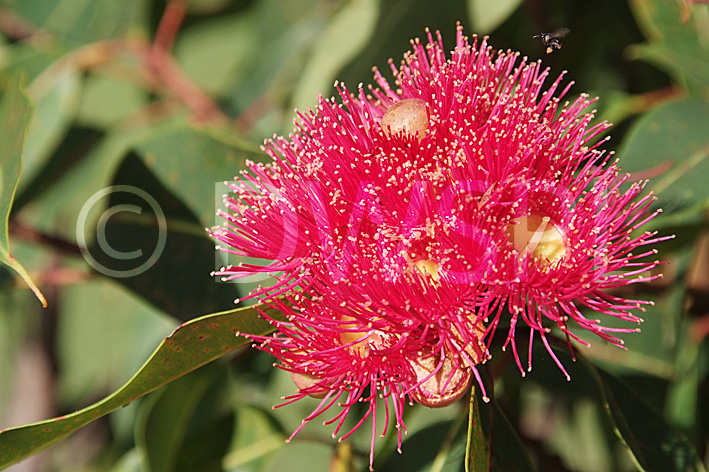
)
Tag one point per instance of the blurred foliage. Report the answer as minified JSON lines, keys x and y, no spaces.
{"x":172,"y":97}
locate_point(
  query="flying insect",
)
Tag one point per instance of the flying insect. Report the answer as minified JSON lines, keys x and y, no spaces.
{"x":553,"y":40}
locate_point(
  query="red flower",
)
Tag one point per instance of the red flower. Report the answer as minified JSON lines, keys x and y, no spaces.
{"x":415,"y":221}
{"x":345,"y":352}
{"x":571,"y":240}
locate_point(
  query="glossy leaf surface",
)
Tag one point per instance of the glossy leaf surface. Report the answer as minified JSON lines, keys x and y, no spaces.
{"x":190,"y":346}
{"x":15,"y":113}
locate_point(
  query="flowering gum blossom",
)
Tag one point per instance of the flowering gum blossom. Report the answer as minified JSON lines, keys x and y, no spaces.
{"x":444,"y":384}
{"x":408,"y":116}
{"x":428,"y":268}
{"x":537,"y":235}
{"x":362,"y":339}
{"x":402,"y":232}
{"x":305,"y":381}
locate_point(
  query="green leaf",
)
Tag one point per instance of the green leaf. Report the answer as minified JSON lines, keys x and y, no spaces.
{"x":653,"y":351}
{"x":66,"y":196}
{"x":55,"y":94}
{"x":188,"y":425}
{"x":99,"y":363}
{"x":489,"y":443}
{"x":219,"y":52}
{"x":492,"y":444}
{"x":342,"y":460}
{"x":257,"y":436}
{"x":280,"y":36}
{"x":106,"y":100}
{"x":678,"y":47}
{"x":683,"y":62}
{"x":129,"y":462}
{"x":507,"y":453}
{"x":658,"y":20}
{"x":158,"y":240}
{"x":485,"y":15}
{"x":346,"y":34}
{"x":301,"y":456}
{"x":190,"y":346}
{"x":193,"y":163}
{"x":683,"y":404}
{"x":673,"y":136}
{"x":451,"y":449}
{"x":83,"y":21}
{"x":15,"y":113}
{"x":653,"y":443}
{"x":439,"y":447}
{"x":477,"y":448}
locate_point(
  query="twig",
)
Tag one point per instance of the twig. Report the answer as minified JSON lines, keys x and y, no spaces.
{"x":160,"y":63}
{"x":169,"y":25}
{"x":15,"y":27}
{"x":28,"y":234}
{"x":161,"y":73}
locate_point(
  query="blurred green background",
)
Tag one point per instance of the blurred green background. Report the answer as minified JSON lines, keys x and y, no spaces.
{"x":173,"y":97}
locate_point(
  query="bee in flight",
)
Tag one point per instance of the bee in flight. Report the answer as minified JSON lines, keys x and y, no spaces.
{"x":553,"y":40}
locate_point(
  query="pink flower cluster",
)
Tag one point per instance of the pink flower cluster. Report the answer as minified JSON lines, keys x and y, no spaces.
{"x":406,"y":225}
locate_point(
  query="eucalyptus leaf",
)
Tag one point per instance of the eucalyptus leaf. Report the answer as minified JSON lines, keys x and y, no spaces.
{"x":673,"y":140}
{"x":432,"y":448}
{"x":219,"y":52}
{"x":190,"y":346}
{"x":186,"y":426}
{"x":56,"y":209}
{"x":487,"y":442}
{"x":346,"y":34}
{"x":684,"y":403}
{"x":652,"y":442}
{"x":281,"y":34}
{"x":486,"y":16}
{"x":477,"y":448}
{"x":256,"y":437}
{"x":688,"y":64}
{"x":507,"y":453}
{"x":152,"y":237}
{"x":106,"y":100}
{"x":191,"y":162}
{"x":84,"y":21}
{"x":677,"y":44}
{"x":398,"y":21}
{"x":300,"y":456}
{"x":15,"y":113}
{"x":55,"y":94}
{"x":100,"y":363}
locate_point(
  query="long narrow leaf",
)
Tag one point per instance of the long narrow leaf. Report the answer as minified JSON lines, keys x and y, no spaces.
{"x":15,"y":113}
{"x":192,"y":345}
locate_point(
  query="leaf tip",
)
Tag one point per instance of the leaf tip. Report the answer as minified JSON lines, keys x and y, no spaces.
{"x":17,"y":267}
